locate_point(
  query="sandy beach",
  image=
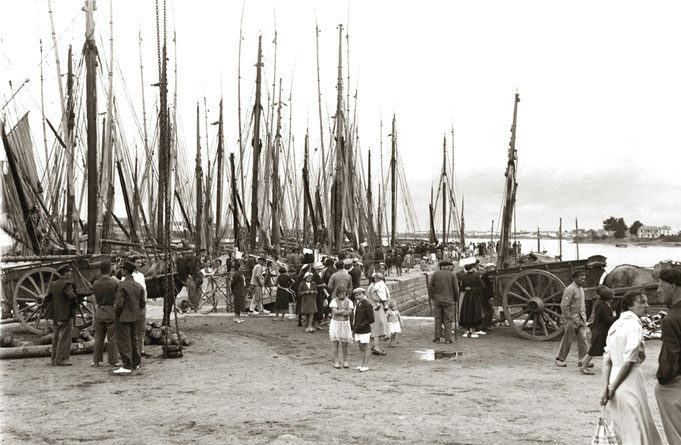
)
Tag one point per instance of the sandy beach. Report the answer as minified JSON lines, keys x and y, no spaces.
{"x":263,"y":382}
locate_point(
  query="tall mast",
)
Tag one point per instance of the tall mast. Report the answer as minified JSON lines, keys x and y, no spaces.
{"x":198,"y":174}
{"x":560,"y":239}
{"x":339,"y":189}
{"x":91,"y":104}
{"x":577,"y":236}
{"x":42,"y":107}
{"x":241,"y":142}
{"x":90,"y":6}
{"x":71,"y":214}
{"x":444,"y":190}
{"x":321,"y":126}
{"x":510,"y":191}
{"x":276,"y":235}
{"x":235,"y":210}
{"x":147,"y":152}
{"x":370,"y":205}
{"x":306,"y":182}
{"x":256,"y":149}
{"x":106,"y":180}
{"x":463,"y":224}
{"x":393,"y":185}
{"x":381,"y":190}
{"x":218,"y":205}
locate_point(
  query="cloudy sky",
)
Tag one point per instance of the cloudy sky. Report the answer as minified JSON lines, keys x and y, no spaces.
{"x":599,"y":84}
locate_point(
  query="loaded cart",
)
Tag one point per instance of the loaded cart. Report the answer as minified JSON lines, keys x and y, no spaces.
{"x":530,"y":294}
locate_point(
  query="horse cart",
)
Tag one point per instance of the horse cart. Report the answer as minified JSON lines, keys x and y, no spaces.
{"x":25,"y":285}
{"x":530,"y":294}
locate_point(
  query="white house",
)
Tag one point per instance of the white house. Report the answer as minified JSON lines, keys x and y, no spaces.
{"x":654,"y":231}
{"x":648,"y":232}
{"x":666,"y":231}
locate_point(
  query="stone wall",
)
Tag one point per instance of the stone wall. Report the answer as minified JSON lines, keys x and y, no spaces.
{"x":411,"y":296}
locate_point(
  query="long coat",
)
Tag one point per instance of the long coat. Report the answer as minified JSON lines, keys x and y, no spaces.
{"x":63,"y":294}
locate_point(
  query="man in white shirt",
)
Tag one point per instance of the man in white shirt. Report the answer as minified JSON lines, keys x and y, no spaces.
{"x":257,"y":284}
{"x":138,"y":276}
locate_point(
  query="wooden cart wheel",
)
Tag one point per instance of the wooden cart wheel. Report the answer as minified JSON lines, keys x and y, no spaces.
{"x":29,"y":295}
{"x":531,"y":303}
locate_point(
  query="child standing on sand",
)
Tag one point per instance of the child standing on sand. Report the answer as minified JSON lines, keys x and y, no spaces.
{"x":361,"y":326}
{"x":340,"y":331}
{"x":394,"y":322}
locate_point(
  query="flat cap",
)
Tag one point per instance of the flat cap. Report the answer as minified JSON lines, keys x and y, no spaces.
{"x":672,"y":276}
{"x":358,"y":290}
{"x":446,"y":263}
{"x":577,"y":273}
{"x":129,"y":266}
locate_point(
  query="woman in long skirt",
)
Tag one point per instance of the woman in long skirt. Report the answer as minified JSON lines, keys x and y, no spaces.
{"x":284,"y":294}
{"x":307,"y":294}
{"x":471,"y":307}
{"x":378,"y":295}
{"x":603,"y":319}
{"x":624,"y":385}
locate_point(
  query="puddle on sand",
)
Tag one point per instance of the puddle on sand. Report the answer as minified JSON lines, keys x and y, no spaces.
{"x":432,"y":355}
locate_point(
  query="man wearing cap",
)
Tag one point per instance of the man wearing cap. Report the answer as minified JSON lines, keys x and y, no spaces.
{"x":138,"y":276}
{"x":62,"y":294}
{"x":443,"y":289}
{"x":355,"y":273}
{"x":574,"y":317}
{"x":104,"y":289}
{"x":668,"y":389}
{"x":341,"y":277}
{"x":257,"y":283}
{"x":129,"y":302}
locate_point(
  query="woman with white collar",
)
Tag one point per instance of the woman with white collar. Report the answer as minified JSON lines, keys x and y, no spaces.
{"x":624,"y":386}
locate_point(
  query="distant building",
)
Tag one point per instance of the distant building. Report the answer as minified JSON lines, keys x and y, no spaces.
{"x":666,"y":231}
{"x":654,"y":231}
{"x":649,"y":232}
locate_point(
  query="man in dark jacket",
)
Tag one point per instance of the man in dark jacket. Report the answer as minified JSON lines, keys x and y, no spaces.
{"x":63,"y":296}
{"x":129,"y":302}
{"x":356,"y":273}
{"x":104,"y":289}
{"x":443,"y":289}
{"x":362,"y":319}
{"x":239,"y":292}
{"x":668,"y":390}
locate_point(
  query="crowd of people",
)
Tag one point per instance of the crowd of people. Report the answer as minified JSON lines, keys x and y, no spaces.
{"x":324,"y":293}
{"x":329,"y":293}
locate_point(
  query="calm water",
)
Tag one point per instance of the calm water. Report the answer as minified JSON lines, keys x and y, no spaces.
{"x":637,"y":255}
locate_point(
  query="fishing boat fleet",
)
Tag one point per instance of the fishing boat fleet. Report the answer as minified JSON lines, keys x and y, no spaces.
{"x":96,"y":189}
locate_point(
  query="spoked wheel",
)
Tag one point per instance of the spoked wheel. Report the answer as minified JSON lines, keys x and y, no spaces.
{"x":29,"y":306}
{"x":531,"y":304}
{"x":208,"y":302}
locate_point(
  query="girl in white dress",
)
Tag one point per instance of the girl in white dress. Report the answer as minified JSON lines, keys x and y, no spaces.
{"x":340,"y":331}
{"x":624,"y":386}
{"x":394,"y":322}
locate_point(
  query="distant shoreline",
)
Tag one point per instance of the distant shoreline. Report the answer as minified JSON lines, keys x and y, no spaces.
{"x":609,"y":241}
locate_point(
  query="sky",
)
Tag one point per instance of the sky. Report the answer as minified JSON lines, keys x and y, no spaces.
{"x":598,"y":82}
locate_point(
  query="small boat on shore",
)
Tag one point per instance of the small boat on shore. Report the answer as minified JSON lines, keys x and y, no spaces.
{"x":621,"y":245}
